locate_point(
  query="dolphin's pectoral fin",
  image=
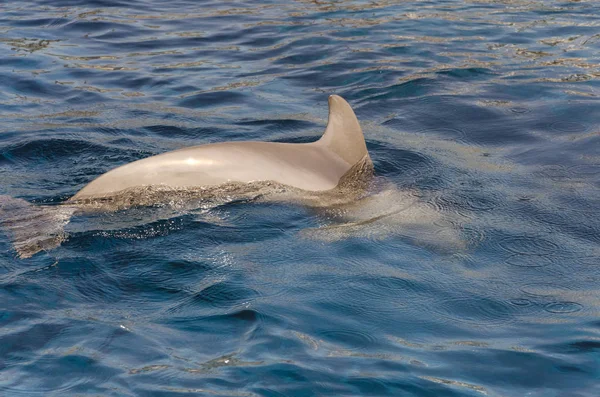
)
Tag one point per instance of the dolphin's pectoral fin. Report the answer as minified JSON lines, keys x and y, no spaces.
{"x":33,"y":228}
{"x":343,"y":135}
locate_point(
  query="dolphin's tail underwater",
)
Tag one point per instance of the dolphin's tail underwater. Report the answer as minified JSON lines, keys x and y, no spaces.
{"x":33,"y":228}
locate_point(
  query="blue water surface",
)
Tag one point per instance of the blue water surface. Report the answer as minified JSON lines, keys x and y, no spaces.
{"x":487,"y":110}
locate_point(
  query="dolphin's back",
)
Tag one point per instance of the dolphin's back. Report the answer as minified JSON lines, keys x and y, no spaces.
{"x":315,"y":166}
{"x":308,"y":167}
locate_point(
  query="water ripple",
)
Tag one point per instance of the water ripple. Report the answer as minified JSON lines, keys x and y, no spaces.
{"x":477,"y":311}
{"x":563,"y":307}
{"x":528,"y":245}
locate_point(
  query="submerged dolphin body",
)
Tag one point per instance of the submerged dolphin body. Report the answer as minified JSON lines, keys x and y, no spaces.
{"x":312,"y":170}
{"x":316,"y":166}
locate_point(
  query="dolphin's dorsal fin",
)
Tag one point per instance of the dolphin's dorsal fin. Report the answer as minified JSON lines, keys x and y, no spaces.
{"x":343,"y":134}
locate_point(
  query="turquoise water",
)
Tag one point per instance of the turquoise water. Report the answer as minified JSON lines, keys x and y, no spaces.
{"x":487,"y":111}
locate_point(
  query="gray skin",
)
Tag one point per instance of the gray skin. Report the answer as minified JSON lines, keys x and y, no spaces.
{"x":316,"y":166}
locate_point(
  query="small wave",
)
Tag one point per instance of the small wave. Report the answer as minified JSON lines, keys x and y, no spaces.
{"x":477,"y":311}
{"x":349,"y":339}
{"x":543,"y":289}
{"x":563,"y":307}
{"x":528,"y":245}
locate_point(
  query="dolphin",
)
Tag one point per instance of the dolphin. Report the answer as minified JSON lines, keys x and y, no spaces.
{"x":316,"y":167}
{"x":333,"y":166}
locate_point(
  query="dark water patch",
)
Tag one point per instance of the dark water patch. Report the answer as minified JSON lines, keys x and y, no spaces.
{"x":21,"y":345}
{"x":466,"y":74}
{"x":279,"y":125}
{"x":222,"y":294}
{"x":85,"y":96}
{"x":358,"y":302}
{"x":568,"y":126}
{"x":348,"y":339}
{"x":24,"y":86}
{"x":521,"y":302}
{"x":585,"y":170}
{"x":555,"y":172}
{"x":390,"y":286}
{"x":451,"y":120}
{"x":476,"y":311}
{"x":22,"y":64}
{"x":369,"y":386}
{"x":213,"y":328}
{"x":126,"y":142}
{"x":581,"y":347}
{"x":520,"y":110}
{"x":554,"y":217}
{"x":584,"y":230}
{"x":49,"y":150}
{"x":429,"y":101}
{"x":518,"y":363}
{"x":579,"y":201}
{"x":520,"y":260}
{"x":541,"y":289}
{"x":135,"y":83}
{"x":37,"y":22}
{"x":242,"y":321}
{"x":413,"y":88}
{"x":211,"y":99}
{"x":80,"y":273}
{"x":399,"y":163}
{"x":588,"y":261}
{"x":121,"y":239}
{"x":180,"y":132}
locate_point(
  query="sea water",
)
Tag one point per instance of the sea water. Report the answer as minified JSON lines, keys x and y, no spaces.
{"x":485,"y":113}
